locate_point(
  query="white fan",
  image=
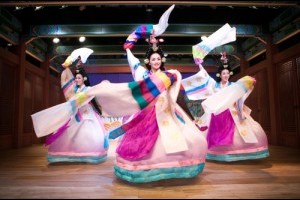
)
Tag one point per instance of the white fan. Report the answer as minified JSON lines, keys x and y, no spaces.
{"x":163,"y":22}
{"x":84,"y":53}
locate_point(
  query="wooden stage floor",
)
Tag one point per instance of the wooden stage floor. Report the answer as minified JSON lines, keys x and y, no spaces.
{"x":25,"y":173}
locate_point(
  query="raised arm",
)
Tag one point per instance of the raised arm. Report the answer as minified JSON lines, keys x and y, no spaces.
{"x":222,"y":36}
{"x":144,"y":31}
{"x":67,"y":80}
{"x":137,"y":69}
{"x":200,"y":85}
{"x":67,"y":77}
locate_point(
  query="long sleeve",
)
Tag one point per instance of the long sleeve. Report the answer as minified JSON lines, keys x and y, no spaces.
{"x":142,"y":31}
{"x":67,"y":83}
{"x":116,"y":99}
{"x":200,"y":86}
{"x":226,"y":97}
{"x":137,"y":70}
{"x":222,"y":36}
{"x":240,"y":104}
{"x":145,"y":30}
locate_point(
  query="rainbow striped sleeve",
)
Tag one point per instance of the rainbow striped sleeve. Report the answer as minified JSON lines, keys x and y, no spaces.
{"x":142,"y":31}
{"x":199,"y":52}
{"x":147,"y":90}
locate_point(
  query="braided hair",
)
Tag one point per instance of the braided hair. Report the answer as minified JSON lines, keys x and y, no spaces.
{"x":80,"y":70}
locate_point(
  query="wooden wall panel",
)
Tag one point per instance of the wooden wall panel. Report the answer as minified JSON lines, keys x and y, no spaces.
{"x":27,"y":139}
{"x":38,"y":102}
{"x":298,"y":72}
{"x":264,"y":101}
{"x":28,"y":108}
{"x":56,"y":96}
{"x":258,"y":101}
{"x":288,"y":103}
{"x":6,"y":141}
{"x":8,"y":84}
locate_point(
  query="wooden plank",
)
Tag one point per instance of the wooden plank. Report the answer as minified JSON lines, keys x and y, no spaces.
{"x":25,"y":173}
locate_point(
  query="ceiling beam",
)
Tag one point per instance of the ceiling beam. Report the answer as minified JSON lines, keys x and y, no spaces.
{"x":123,"y":30}
{"x":140,"y":49}
{"x":10,"y":27}
{"x":134,"y":3}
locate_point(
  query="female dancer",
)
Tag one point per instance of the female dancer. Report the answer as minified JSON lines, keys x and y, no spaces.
{"x":81,"y":138}
{"x":231,"y":132}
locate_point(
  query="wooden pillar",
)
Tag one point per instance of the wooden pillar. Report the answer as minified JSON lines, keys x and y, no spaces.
{"x":243,"y":65}
{"x":20,"y":101}
{"x":271,"y":71}
{"x":46,"y":90}
{"x":45,"y":67}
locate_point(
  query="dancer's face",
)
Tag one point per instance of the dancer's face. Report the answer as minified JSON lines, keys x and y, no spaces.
{"x":79,"y":80}
{"x":225,"y":74}
{"x":155,"y":62}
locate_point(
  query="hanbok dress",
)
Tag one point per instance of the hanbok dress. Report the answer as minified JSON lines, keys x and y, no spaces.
{"x":160,"y":141}
{"x":81,"y":138}
{"x":232,"y":134}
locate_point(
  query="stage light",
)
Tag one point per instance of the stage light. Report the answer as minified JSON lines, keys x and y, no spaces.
{"x":82,"y":39}
{"x":55,"y":40}
{"x":19,"y":8}
{"x":38,"y":8}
